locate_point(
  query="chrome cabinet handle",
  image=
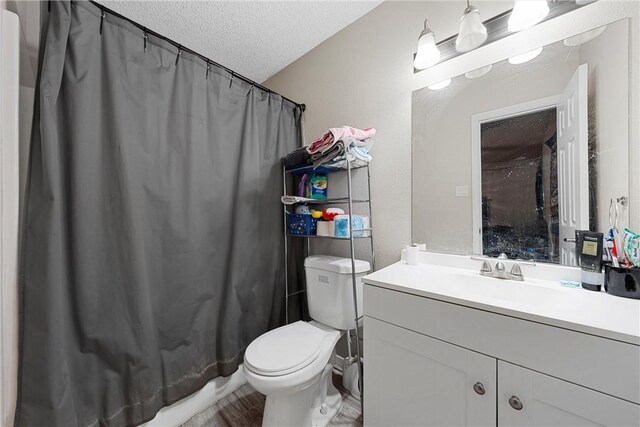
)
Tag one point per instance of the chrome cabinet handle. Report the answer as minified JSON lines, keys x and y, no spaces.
{"x":515,"y":403}
{"x":479,"y":388}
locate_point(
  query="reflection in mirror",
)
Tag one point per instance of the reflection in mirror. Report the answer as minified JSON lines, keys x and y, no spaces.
{"x":520,"y":186}
{"x":522,"y":154}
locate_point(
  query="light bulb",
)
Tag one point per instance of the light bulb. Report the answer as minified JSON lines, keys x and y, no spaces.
{"x":472,"y":32}
{"x":428,"y":53}
{"x":527,"y":13}
{"x":440,"y":85}
{"x":474,"y":74}
{"x":525,"y":57}
{"x":585,"y":37}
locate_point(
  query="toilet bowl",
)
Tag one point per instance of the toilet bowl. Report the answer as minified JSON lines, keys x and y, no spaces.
{"x":292,"y":365}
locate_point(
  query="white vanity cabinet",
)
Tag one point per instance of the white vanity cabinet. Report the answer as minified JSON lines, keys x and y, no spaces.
{"x":433,"y":360}
{"x":415,"y":380}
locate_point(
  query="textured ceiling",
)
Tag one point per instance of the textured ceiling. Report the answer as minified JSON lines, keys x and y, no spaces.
{"x":254,"y":38}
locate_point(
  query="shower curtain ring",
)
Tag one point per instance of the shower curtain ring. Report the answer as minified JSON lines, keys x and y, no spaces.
{"x":101,"y":20}
{"x":179,"y":52}
{"x":208,"y":67}
{"x":145,"y":37}
{"x":251,"y":88}
{"x":231,"y":80}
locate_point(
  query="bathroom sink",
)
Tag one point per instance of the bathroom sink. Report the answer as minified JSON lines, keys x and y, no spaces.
{"x":514,"y":292}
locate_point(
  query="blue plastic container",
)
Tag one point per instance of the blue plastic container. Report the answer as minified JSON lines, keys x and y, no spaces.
{"x":301,"y":224}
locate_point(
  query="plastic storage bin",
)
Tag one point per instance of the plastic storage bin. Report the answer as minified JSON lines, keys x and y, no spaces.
{"x":622,"y":282}
{"x":301,"y":224}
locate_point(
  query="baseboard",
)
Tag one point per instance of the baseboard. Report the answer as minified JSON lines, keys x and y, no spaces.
{"x":186,"y":408}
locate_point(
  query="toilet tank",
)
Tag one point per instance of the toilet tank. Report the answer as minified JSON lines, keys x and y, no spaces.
{"x":330,"y":291}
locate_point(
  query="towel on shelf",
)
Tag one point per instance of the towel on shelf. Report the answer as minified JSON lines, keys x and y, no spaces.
{"x":292,"y":200}
{"x":346,"y":149}
{"x":337,"y":150}
{"x":299,"y":156}
{"x":336,"y":145}
{"x":333,"y":135}
{"x":358,"y":149}
{"x":360,"y":153}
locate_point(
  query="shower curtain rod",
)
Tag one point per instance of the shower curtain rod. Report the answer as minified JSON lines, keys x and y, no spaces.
{"x":181,"y":48}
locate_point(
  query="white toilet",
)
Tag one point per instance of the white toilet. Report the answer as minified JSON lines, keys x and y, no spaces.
{"x":292,"y":364}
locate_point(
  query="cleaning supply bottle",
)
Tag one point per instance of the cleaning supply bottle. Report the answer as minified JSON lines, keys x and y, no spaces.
{"x":302,"y":187}
{"x":318,"y":187}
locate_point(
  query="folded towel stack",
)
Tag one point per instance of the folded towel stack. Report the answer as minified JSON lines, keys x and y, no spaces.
{"x":336,"y":146}
{"x":297,"y":157}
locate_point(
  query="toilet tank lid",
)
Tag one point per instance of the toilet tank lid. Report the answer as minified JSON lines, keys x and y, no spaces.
{"x":336,"y":264}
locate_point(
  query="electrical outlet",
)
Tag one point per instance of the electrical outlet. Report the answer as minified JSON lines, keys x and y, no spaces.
{"x":462,"y":191}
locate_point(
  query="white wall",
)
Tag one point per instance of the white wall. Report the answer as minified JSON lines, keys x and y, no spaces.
{"x":9,"y":210}
{"x":29,"y":14}
{"x":363,"y":76}
{"x":14,"y":154}
{"x":608,"y":90}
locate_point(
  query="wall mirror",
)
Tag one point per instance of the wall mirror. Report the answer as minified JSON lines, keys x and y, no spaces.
{"x":515,"y":156}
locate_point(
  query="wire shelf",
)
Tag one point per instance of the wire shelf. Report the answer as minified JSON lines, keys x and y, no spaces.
{"x":313,"y":236}
{"x":347,"y":167}
{"x":336,"y":200}
{"x":327,"y":168}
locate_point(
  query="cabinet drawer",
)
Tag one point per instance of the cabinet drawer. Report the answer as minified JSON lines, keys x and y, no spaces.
{"x":609,"y":366}
{"x":414,"y":380}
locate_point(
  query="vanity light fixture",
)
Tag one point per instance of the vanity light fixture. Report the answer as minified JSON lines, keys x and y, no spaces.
{"x":527,"y":13}
{"x":472,"y":33}
{"x":525,"y":57}
{"x":428,"y":53}
{"x":524,"y":14}
{"x":440,"y":85}
{"x":479,"y":72}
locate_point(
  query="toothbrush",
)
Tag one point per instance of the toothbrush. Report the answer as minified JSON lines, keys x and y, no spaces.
{"x":611,"y":248}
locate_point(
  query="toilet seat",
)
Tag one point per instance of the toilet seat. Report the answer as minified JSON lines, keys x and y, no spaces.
{"x":285,"y":350}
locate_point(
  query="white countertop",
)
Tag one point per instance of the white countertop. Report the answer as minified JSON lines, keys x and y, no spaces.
{"x":536,"y":299}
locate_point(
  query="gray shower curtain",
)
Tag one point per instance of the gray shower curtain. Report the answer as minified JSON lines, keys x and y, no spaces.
{"x":152,"y":251}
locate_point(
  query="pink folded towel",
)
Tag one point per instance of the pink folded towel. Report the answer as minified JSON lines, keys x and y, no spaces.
{"x":333,"y":135}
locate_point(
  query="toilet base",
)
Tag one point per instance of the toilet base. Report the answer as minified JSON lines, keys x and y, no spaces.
{"x":315,"y":405}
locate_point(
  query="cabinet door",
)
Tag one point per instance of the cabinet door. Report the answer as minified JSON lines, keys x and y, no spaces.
{"x":413,"y":380}
{"x":546,"y":401}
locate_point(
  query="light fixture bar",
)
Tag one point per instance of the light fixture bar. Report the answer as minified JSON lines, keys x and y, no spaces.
{"x":497,"y":28}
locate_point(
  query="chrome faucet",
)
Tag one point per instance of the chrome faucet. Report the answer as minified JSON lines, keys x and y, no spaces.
{"x":499,"y":271}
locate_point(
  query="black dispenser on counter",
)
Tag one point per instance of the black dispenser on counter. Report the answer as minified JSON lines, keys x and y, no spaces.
{"x":622,"y":281}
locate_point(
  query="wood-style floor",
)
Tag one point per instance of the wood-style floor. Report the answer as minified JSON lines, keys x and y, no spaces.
{"x":243,"y":408}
